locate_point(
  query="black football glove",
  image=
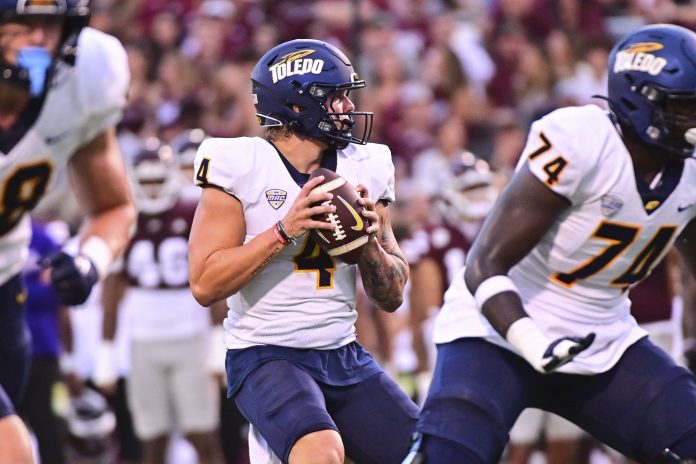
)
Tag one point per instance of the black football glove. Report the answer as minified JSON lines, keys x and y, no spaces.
{"x":72,"y":277}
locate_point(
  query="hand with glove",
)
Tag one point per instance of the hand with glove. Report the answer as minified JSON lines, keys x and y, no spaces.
{"x":563,"y":350}
{"x":72,"y":277}
{"x":543,"y":354}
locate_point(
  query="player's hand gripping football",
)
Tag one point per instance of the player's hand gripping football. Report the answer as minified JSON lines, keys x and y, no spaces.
{"x":368,"y":211}
{"x":562,"y":351}
{"x":299,"y":219}
{"x":72,"y":277}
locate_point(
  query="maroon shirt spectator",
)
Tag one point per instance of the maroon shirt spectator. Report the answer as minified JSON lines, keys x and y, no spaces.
{"x":534,"y":17}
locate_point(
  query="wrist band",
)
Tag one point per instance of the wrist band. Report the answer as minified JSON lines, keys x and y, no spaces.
{"x":66,"y":362}
{"x":99,"y":252}
{"x":529,"y":340}
{"x":278,"y":235}
{"x":286,"y":237}
{"x":491,"y":287}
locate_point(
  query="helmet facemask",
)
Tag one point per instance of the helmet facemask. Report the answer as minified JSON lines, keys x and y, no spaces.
{"x":337,"y":126}
{"x":29,"y":69}
{"x":673,"y":116}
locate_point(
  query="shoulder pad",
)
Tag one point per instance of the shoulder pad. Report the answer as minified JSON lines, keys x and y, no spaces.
{"x":563,"y":146}
{"x":380,"y":170}
{"x":102,"y":72}
{"x":223,"y":162}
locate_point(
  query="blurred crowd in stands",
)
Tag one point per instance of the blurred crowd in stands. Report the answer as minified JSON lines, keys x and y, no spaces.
{"x":445,"y":77}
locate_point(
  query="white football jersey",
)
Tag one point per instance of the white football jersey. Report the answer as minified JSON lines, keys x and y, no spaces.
{"x":575,"y":280}
{"x":303,"y":298}
{"x":82,"y":102}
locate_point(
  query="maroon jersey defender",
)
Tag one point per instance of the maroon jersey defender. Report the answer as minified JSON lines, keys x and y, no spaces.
{"x":439,"y":250}
{"x":157,"y":254}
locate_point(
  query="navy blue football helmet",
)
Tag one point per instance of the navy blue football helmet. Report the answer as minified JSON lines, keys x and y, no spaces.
{"x":652,"y":87}
{"x":304,"y":74}
{"x":33,"y":68}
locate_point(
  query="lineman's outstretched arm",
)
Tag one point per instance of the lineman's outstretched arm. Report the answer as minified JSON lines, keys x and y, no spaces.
{"x":523,"y":214}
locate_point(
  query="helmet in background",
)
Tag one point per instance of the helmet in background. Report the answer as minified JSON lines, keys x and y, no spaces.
{"x":90,"y":423}
{"x":302,"y":74}
{"x":652,"y":75}
{"x":185,"y":146}
{"x":469,"y":191}
{"x":155,"y":177}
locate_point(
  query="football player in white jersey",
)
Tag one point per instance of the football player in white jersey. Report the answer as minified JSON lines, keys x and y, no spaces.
{"x":294,"y":367}
{"x":540,"y":316}
{"x":62,"y":89}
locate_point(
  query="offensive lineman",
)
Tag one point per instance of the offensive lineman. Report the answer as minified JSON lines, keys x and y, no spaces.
{"x":294,"y":367}
{"x":540,"y":315}
{"x":62,"y":89}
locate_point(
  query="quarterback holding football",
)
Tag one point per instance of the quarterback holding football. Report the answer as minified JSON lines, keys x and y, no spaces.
{"x":294,"y":366}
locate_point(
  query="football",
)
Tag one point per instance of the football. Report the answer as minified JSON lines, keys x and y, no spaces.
{"x":347,"y":240}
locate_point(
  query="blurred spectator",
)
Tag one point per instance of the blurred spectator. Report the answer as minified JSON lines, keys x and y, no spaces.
{"x":432,"y":166}
{"x":465,"y":40}
{"x":384,"y":93}
{"x":230,"y":108}
{"x":508,"y":46}
{"x":589,"y":77}
{"x":582,"y":18}
{"x":508,"y":141}
{"x":533,"y":84}
{"x":561,"y":54}
{"x":442,"y":71}
{"x":534,"y":18}
{"x":410,"y":130}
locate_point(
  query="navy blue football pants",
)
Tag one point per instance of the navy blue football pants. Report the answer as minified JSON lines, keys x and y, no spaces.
{"x":644,"y":404}
{"x":15,"y":345}
{"x":374,"y":417}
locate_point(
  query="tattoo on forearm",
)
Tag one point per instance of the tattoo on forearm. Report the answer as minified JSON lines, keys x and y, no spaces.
{"x":384,"y":280}
{"x":388,"y":242}
{"x":263,"y":264}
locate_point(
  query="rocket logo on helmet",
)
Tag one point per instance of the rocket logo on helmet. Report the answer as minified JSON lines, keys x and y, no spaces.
{"x":294,"y":64}
{"x":637,"y":58}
